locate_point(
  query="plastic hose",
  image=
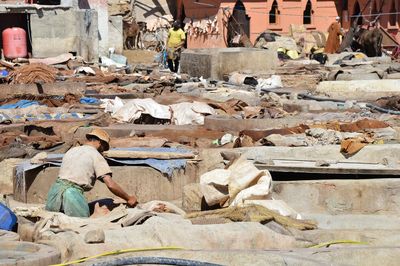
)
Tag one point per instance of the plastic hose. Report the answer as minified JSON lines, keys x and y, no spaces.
{"x":327,"y":244}
{"x":382,"y":110}
{"x":152,"y":260}
{"x":117,"y":252}
{"x":319,"y":99}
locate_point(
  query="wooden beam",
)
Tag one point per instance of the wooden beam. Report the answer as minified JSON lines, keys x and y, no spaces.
{"x":53,"y":89}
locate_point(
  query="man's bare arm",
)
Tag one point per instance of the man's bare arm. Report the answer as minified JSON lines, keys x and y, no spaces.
{"x":118,"y":191}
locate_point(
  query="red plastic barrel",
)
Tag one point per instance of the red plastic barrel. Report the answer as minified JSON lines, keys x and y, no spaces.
{"x":14,"y":43}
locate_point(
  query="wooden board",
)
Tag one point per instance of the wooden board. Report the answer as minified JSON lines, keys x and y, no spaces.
{"x":147,"y":155}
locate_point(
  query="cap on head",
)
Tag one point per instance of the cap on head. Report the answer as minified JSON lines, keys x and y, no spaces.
{"x":337,"y":18}
{"x":102,"y":136}
{"x":176,"y":24}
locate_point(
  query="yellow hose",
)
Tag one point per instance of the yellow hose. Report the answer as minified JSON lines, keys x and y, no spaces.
{"x":327,"y":244}
{"x":117,"y":252}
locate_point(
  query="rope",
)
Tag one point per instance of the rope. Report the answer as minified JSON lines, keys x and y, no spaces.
{"x":327,"y":244}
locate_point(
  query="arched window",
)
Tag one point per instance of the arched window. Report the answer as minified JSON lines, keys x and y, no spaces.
{"x":307,"y":13}
{"x":393,"y":14}
{"x":274,"y":13}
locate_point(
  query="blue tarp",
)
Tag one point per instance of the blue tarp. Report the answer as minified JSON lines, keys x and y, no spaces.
{"x":19,"y":104}
{"x":164,"y":166}
{"x":41,"y":117}
{"x":89,"y":100}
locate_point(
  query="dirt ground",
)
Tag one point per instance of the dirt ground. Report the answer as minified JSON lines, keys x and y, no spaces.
{"x":139,"y":56}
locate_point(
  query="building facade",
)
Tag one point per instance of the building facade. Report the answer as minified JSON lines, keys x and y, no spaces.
{"x":215,"y":23}
{"x":252,"y":18}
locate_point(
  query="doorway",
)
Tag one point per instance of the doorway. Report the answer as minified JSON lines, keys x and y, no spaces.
{"x":238,"y":25}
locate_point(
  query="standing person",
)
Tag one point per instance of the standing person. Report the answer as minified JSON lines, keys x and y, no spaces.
{"x":80,"y":168}
{"x":175,"y":41}
{"x":333,"y":42}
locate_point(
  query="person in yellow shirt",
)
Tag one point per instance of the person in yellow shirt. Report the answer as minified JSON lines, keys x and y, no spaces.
{"x":175,"y":41}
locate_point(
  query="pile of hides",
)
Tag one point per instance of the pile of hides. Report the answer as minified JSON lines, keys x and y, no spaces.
{"x":152,"y":24}
{"x":179,"y":114}
{"x":146,"y":226}
{"x":199,"y":27}
{"x":351,"y":142}
{"x":241,"y":184}
{"x":33,"y":73}
{"x":252,"y":213}
{"x":101,"y":219}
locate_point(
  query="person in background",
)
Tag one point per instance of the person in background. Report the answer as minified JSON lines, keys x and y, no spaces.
{"x":333,"y":42}
{"x":175,"y":41}
{"x":80,"y":168}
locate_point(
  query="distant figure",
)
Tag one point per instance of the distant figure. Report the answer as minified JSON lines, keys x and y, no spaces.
{"x":333,"y":42}
{"x":175,"y":42}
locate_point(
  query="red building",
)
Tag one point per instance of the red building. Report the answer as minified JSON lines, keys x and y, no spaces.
{"x":214,"y":23}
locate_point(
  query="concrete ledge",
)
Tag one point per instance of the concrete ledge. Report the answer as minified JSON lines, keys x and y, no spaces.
{"x":362,"y":90}
{"x":371,"y":196}
{"x":356,"y":222}
{"x":369,"y":154}
{"x":216,"y":62}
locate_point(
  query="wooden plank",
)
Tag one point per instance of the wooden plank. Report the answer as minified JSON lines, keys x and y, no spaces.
{"x":53,"y":89}
{"x":147,"y":154}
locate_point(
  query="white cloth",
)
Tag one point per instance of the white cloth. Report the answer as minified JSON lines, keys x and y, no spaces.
{"x":185,"y":113}
{"x":190,"y":113}
{"x":83,"y":165}
{"x":133,"y":109}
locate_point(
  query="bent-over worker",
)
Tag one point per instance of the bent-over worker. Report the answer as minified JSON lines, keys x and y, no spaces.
{"x":175,"y":41}
{"x":80,"y":168}
{"x":333,"y":42}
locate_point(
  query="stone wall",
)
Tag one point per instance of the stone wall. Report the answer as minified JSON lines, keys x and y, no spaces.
{"x":216,"y":62}
{"x":58,"y":31}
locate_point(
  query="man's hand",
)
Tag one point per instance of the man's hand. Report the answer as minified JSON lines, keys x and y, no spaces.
{"x":132,"y":201}
{"x":118,"y":191}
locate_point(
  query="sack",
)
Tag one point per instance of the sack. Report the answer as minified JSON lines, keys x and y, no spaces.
{"x":7,"y":218}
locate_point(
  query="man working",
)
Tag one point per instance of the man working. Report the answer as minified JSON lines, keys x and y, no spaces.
{"x":333,"y":42}
{"x":175,"y":41}
{"x":80,"y":168}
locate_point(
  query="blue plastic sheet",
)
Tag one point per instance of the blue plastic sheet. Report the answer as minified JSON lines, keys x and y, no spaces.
{"x":7,"y":218}
{"x":19,"y":104}
{"x":89,"y":100}
{"x":164,"y":166}
{"x":41,"y":117}
{"x":4,"y":73}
